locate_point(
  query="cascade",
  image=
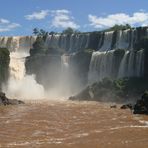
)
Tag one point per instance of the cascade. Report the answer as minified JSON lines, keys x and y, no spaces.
{"x":72,"y":43}
{"x":123,"y":39}
{"x":123,"y":66}
{"x":102,"y":62}
{"x":63,"y":41}
{"x":52,"y":41}
{"x":101,"y":66}
{"x":78,"y":42}
{"x":132,"y":64}
{"x":65,"y":75}
{"x":19,"y":84}
{"x":140,"y":63}
{"x":107,"y":41}
{"x":17,"y":42}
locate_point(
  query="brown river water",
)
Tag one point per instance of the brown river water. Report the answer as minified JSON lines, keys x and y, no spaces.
{"x":67,"y":124}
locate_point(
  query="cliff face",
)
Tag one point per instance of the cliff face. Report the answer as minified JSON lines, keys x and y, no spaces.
{"x":114,"y":54}
{"x":82,"y":57}
{"x":4,"y":65}
{"x":99,"y":41}
{"x":59,"y":72}
{"x":46,"y":69}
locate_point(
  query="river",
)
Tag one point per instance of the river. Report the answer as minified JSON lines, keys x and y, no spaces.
{"x":67,"y":124}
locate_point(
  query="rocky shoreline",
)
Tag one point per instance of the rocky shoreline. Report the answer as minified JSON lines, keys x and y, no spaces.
{"x":5,"y":101}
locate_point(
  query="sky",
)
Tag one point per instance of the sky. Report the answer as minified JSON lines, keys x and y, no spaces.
{"x":19,"y":17}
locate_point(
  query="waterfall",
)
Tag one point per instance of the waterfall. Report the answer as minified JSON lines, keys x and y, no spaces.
{"x":132,"y":64}
{"x":104,"y":62}
{"x":101,"y":66}
{"x":71,"y":43}
{"x":52,"y":41}
{"x":140,"y":63}
{"x":65,"y":75}
{"x":20,"y":85}
{"x":63,"y":42}
{"x":123,"y":39}
{"x":17,"y":42}
{"x":123,"y":66}
{"x":79,"y":42}
{"x":107,"y":41}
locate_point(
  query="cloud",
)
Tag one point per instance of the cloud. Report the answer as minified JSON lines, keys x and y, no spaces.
{"x":63,"y":19}
{"x":37,"y":15}
{"x":138,"y":18}
{"x":6,"y":25}
{"x":4,"y":21}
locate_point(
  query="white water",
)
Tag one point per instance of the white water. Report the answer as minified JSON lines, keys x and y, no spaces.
{"x":19,"y":84}
{"x":101,"y":66}
{"x":71,"y":43}
{"x":107,"y":41}
{"x":123,"y":39}
{"x":132,"y":64}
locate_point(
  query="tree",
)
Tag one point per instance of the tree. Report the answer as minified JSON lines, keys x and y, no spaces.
{"x":39,"y":32}
{"x":51,"y":33}
{"x":35,"y":31}
{"x":119,"y":27}
{"x":38,"y":46}
{"x":69,"y":30}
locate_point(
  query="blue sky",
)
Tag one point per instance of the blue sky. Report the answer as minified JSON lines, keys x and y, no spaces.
{"x":19,"y":17}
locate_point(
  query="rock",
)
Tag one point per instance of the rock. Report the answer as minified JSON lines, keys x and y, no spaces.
{"x":72,"y":98}
{"x":141,"y":106}
{"x":126,"y":106}
{"x":15,"y":102}
{"x":113,"y":106}
{"x":5,"y":101}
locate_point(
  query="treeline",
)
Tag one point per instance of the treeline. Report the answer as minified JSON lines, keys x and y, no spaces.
{"x":69,"y":30}
{"x":118,"y":27}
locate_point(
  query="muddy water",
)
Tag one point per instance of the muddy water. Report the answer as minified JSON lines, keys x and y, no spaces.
{"x":71,"y":125}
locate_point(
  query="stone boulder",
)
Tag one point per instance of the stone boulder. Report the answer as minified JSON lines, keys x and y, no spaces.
{"x":141,"y":106}
{"x":127,"y":106}
{"x":5,"y":101}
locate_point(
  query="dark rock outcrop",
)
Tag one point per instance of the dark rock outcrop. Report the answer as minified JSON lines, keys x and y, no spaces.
{"x":141,"y":106}
{"x":48,"y":69}
{"x":5,"y":101}
{"x":127,"y":106}
{"x":113,"y":106}
{"x":4,"y":65}
{"x":45,"y":67}
{"x":119,"y":90}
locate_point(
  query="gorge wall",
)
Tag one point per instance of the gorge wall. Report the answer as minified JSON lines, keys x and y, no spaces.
{"x":82,"y":58}
{"x":4,"y":66}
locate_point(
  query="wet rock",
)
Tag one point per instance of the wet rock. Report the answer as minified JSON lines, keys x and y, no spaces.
{"x":5,"y":101}
{"x":126,"y":106}
{"x":113,"y":106}
{"x":141,"y":106}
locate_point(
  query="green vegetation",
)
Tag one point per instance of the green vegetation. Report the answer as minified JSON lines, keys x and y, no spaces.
{"x":39,"y":32}
{"x":4,"y":65}
{"x":38,"y":46}
{"x":118,"y":27}
{"x":69,"y":31}
{"x":118,"y":90}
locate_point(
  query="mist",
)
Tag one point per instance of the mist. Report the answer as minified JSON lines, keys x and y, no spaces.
{"x":56,"y":82}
